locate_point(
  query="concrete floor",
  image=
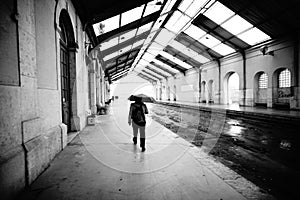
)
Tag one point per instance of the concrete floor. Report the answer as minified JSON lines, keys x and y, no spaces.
{"x":101,"y":162}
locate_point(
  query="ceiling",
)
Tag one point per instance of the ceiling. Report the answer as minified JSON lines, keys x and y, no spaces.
{"x":159,"y":38}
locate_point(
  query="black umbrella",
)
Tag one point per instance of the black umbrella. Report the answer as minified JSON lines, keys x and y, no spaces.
{"x":144,"y":98}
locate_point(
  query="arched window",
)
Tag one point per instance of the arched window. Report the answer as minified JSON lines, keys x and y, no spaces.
{"x":263,"y":81}
{"x":285,"y":78}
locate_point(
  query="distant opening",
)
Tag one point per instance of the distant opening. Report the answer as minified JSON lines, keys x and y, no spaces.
{"x":210,"y":91}
{"x":284,"y":79}
{"x":233,"y":89}
{"x":263,"y":81}
{"x":260,"y":89}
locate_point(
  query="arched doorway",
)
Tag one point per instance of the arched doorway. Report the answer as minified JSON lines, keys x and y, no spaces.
{"x":67,"y":69}
{"x":174,"y":97}
{"x":210,"y":91}
{"x":203,"y":92}
{"x":282,"y":90}
{"x":232,"y":88}
{"x":260,"y":89}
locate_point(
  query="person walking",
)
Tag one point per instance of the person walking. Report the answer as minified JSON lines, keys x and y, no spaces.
{"x":137,"y":119}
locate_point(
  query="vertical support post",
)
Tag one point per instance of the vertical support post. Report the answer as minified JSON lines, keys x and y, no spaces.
{"x":219,"y":84}
{"x":244,"y":78}
{"x":296,"y":89}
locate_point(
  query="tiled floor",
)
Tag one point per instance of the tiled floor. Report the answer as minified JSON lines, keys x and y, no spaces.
{"x":102,"y":163}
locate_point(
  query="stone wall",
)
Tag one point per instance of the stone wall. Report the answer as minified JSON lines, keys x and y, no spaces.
{"x":31,"y":127}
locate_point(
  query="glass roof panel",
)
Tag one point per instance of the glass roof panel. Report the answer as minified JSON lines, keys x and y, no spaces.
{"x":175,"y":60}
{"x":195,"y":7}
{"x":108,"y":25}
{"x":148,"y":57}
{"x":218,"y":13}
{"x":155,"y":46}
{"x":125,"y":49}
{"x":144,"y":28}
{"x":177,"y":21}
{"x":143,"y":62}
{"x":189,"y":52}
{"x":184,"y":5}
{"x":158,"y":22}
{"x":236,"y":25}
{"x":158,"y":69}
{"x":112,"y":55}
{"x":164,"y":37}
{"x":110,"y":43}
{"x":195,"y":32}
{"x":131,"y":15}
{"x":254,"y":36}
{"x":137,"y":43}
{"x":209,"y":41}
{"x":128,"y":35}
{"x":168,"y":6}
{"x":168,"y":67}
{"x":223,"y":49}
{"x":151,"y":8}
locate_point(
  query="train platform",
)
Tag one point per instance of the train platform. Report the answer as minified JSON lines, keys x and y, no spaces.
{"x":101,"y":162}
{"x":271,"y":114}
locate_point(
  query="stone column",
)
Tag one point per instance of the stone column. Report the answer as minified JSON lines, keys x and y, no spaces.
{"x":93,"y":86}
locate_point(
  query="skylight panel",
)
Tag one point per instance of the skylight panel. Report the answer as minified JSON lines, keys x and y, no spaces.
{"x":164,"y":37}
{"x":254,"y":36}
{"x":155,"y":46}
{"x":152,"y":73}
{"x":148,"y":57}
{"x":218,"y":13}
{"x":128,"y":35}
{"x":223,"y":49}
{"x":125,"y":49}
{"x":110,"y":43}
{"x":152,"y":8}
{"x":159,"y":22}
{"x":236,"y":25}
{"x":112,"y":55}
{"x":143,"y":62}
{"x":201,"y":58}
{"x":189,"y":52}
{"x":184,"y":5}
{"x":168,"y":67}
{"x":108,"y":25}
{"x":119,"y":74}
{"x":175,"y":60}
{"x":177,"y":22}
{"x":144,"y":28}
{"x":159,"y":70}
{"x":195,"y":32}
{"x":209,"y":41}
{"x":195,"y":7}
{"x":131,"y":15}
{"x":137,"y":43}
{"x":168,"y":6}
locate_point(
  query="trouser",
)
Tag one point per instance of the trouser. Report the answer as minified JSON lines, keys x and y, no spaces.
{"x":136,"y":128}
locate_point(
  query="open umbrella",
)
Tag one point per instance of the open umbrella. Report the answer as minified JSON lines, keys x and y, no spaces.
{"x":144,"y":97}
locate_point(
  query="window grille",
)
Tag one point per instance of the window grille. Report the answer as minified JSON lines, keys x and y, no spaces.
{"x":285,"y":78}
{"x":263,"y":81}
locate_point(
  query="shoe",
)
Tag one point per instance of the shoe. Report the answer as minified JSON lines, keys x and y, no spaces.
{"x":134,"y":140}
{"x":143,"y":149}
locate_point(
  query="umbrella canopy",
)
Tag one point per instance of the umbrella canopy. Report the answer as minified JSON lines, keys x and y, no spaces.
{"x":144,"y":98}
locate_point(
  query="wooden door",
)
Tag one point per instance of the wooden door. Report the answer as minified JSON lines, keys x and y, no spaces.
{"x":65,"y":86}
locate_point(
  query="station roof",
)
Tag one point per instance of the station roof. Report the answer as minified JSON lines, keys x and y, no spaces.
{"x":159,"y":38}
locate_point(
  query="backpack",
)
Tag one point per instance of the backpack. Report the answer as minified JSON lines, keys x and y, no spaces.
{"x":138,"y":115}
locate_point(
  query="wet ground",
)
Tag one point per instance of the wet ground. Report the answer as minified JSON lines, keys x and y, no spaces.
{"x":264,"y":152}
